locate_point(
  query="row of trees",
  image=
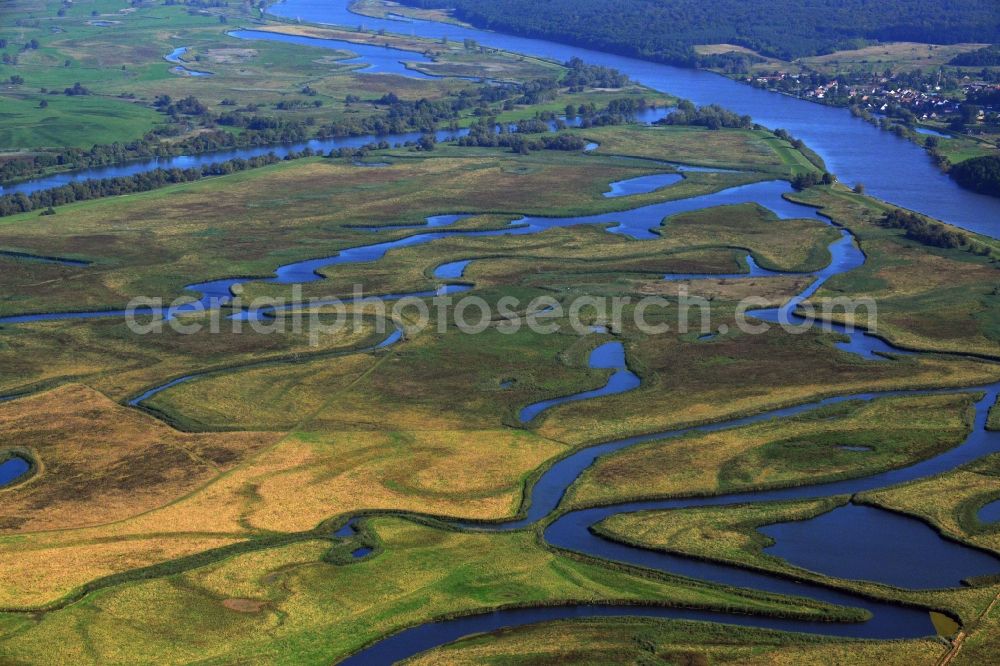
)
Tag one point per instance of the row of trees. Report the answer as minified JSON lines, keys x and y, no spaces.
{"x":922,"y":231}
{"x":582,"y":75}
{"x":988,"y":56}
{"x":12,"y":204}
{"x":258,"y":130}
{"x":711,"y":116}
{"x":487,"y":133}
{"x":522,"y":138}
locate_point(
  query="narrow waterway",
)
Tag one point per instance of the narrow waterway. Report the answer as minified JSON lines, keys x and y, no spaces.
{"x":642,"y":223}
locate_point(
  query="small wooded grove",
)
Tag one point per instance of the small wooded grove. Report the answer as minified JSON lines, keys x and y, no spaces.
{"x":665,"y":30}
{"x":922,"y":231}
{"x":981,"y":174}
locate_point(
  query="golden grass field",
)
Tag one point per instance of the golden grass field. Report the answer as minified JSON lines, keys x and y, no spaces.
{"x":603,"y":641}
{"x":780,"y":452}
{"x":99,"y":462}
{"x":310,"y":611}
{"x":469,"y":474}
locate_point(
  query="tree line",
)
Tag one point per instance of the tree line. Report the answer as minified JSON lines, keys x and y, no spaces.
{"x":711,"y":116}
{"x":488,"y":133}
{"x":395,"y":116}
{"x":922,"y":231}
{"x":666,"y":30}
{"x":988,"y":56}
{"x":13,"y":204}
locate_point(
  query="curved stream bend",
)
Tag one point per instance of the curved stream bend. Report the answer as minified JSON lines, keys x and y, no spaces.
{"x":641,"y":223}
{"x":574,"y":530}
{"x":890,"y":167}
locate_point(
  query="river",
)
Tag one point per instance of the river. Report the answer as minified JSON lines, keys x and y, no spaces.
{"x":891,"y":168}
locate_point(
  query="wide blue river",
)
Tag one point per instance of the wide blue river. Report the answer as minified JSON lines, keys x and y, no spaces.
{"x":890,"y":168}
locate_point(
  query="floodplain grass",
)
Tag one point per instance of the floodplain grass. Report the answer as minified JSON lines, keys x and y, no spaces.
{"x":239,"y":491}
{"x":958,"y":148}
{"x":718,"y":234}
{"x":729,"y":535}
{"x":928,"y":298}
{"x":781,"y":245}
{"x":799,"y":450}
{"x":601,"y":641}
{"x":460,"y":474}
{"x":744,"y":149}
{"x":309,"y":611}
{"x":768,"y":292}
{"x":78,"y":122}
{"x":421,"y":427}
{"x":126,"y":58}
{"x":150,"y":244}
{"x":950,"y":501}
{"x":100,"y":462}
{"x":47,"y":574}
{"x":685,"y":382}
{"x":110,"y":357}
{"x":269,"y":397}
{"x":448,"y":59}
{"x":288,"y":487}
{"x":715,"y":533}
{"x":405,"y":392}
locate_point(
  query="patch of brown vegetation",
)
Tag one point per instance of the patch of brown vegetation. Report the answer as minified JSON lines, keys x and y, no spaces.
{"x":774,"y":291}
{"x":101,"y":462}
{"x":231,"y":55}
{"x":244,"y":605}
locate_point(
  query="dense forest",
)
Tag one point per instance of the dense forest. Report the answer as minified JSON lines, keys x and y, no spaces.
{"x":665,"y":30}
{"x":981,"y":174}
{"x":988,"y":56}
